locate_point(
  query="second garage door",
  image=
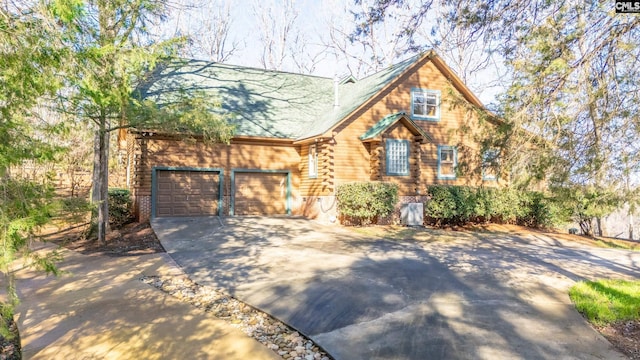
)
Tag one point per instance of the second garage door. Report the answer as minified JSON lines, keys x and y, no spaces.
{"x":260,"y":193}
{"x":187,"y":193}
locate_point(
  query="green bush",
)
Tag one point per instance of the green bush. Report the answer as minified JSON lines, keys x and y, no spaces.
{"x":442,"y":207}
{"x":120,"y":207}
{"x":364,"y":202}
{"x":450,"y":205}
{"x":459,"y":205}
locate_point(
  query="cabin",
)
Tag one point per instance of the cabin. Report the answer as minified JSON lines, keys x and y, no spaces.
{"x":298,"y":137}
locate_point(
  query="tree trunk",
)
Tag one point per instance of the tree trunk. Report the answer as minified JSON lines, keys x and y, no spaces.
{"x":585,"y":226}
{"x":100,"y":191}
{"x":599,"y":224}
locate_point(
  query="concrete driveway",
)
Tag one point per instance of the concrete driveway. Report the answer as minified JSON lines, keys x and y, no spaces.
{"x":481,"y":296}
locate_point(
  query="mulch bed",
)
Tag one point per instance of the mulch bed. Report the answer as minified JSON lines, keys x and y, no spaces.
{"x":625,"y":336}
{"x":132,"y":239}
{"x":10,"y":348}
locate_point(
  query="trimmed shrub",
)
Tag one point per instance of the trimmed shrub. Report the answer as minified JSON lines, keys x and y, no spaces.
{"x":442,"y":207}
{"x":120,"y":207}
{"x":459,"y":205}
{"x":363,"y":203}
{"x":450,"y":205}
{"x":539,"y":211}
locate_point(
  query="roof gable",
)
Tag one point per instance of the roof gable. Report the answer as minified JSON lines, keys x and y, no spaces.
{"x":361,"y":93}
{"x":376,"y":131}
{"x":352,"y":95}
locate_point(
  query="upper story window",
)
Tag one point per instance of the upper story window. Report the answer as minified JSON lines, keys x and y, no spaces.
{"x":313,"y":161}
{"x":489,"y":164}
{"x":397,"y":157}
{"x":447,"y":162}
{"x":425,"y":104}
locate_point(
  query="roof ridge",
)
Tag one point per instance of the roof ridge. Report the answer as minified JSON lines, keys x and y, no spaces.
{"x":227,"y":65}
{"x":410,"y":59}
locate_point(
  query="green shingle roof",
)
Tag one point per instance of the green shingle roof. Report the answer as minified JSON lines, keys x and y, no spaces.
{"x":386,"y":122}
{"x":354,"y":94}
{"x":267,"y":103}
{"x":381,"y":126}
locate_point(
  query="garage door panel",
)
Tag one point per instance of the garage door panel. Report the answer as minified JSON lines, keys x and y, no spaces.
{"x":165,"y":186}
{"x":164,"y":174}
{"x":260,"y":193}
{"x":180,"y":211}
{"x":208,"y":190}
{"x":187,"y":193}
{"x":163,"y":211}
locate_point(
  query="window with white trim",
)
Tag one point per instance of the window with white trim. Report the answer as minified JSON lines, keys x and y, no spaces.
{"x":489,"y":164}
{"x":447,"y":161}
{"x":313,"y":161}
{"x":397,"y":157}
{"x":425,"y":104}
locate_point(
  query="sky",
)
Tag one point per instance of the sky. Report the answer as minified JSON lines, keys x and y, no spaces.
{"x":312,"y":27}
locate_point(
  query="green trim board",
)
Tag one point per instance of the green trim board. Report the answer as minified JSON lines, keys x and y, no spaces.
{"x":383,"y":125}
{"x":154,"y":181}
{"x":232,"y":203}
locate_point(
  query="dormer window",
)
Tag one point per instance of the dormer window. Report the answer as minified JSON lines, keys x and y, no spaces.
{"x":425,"y":104}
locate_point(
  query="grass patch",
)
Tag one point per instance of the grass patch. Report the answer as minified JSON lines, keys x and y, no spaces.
{"x":397,"y":232}
{"x":607,"y":301}
{"x":618,"y":244}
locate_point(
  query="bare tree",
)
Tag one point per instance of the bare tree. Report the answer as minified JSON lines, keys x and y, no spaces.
{"x":375,"y":44}
{"x":276,"y":26}
{"x":206,"y":25}
{"x":213,"y":39}
{"x":305,"y":54}
{"x":465,"y":50}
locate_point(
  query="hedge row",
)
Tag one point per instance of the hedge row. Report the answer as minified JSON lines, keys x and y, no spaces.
{"x":458,"y":205}
{"x":363,"y":203}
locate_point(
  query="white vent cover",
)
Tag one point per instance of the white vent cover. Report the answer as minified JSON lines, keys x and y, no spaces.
{"x":412,"y":214}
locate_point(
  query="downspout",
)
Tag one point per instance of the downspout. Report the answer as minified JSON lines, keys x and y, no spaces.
{"x":336,"y":95}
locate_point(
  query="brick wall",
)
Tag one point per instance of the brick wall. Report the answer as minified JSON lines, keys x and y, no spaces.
{"x":142,"y":207}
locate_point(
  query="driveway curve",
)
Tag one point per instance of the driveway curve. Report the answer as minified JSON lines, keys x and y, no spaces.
{"x":480,"y":296}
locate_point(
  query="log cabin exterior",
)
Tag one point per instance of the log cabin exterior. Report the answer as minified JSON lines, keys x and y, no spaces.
{"x":299,"y":136}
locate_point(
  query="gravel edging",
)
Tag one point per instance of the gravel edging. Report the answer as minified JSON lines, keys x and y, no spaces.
{"x":272,"y":333}
{"x":10,"y":347}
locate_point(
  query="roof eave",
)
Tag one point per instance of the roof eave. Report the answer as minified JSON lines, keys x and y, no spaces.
{"x":234,"y":138}
{"x":311,"y":139}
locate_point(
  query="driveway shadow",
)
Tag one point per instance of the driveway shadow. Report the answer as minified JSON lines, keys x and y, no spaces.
{"x":485,"y":297}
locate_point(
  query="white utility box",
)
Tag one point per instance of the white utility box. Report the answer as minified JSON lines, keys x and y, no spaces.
{"x":412,"y":214}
